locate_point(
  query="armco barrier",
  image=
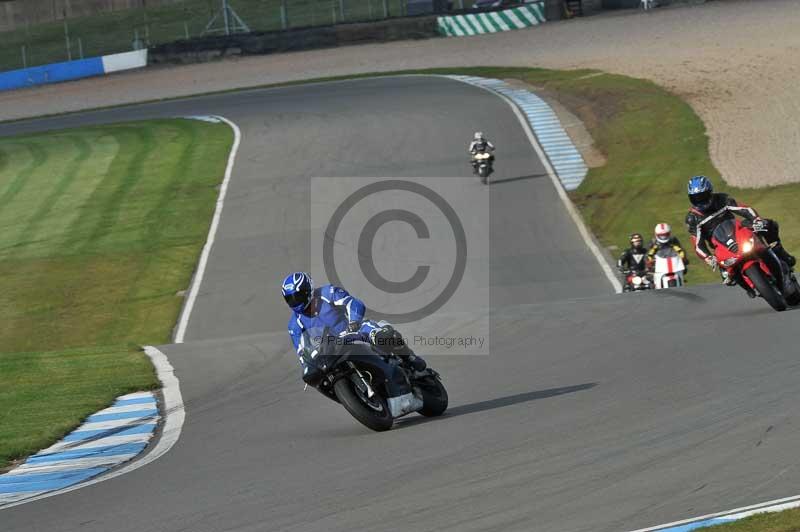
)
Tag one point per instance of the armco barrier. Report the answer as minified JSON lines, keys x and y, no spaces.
{"x":69,"y":70}
{"x":212,"y":47}
{"x":516,"y":18}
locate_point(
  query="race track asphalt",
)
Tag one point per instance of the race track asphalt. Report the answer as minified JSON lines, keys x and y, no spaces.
{"x":593,"y":412}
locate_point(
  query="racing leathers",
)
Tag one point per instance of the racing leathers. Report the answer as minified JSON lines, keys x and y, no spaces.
{"x":333,"y":307}
{"x":634,"y":260}
{"x":723,"y":207}
{"x":674,"y":244}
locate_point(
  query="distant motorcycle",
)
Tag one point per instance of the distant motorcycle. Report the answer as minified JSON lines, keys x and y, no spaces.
{"x":374,"y":387}
{"x":668,"y":269}
{"x":482,"y":162}
{"x":636,"y":281}
{"x":742,"y":252}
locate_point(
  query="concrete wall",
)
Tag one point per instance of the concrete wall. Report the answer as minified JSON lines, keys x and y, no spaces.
{"x":16,"y":13}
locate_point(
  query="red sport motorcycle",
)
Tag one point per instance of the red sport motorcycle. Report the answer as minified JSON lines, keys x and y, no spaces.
{"x":742,"y":252}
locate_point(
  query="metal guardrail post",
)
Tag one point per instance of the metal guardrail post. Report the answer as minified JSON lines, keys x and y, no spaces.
{"x":341,"y":10}
{"x":225,"y":17}
{"x":24,"y":57}
{"x":284,"y":18}
{"x":66,"y":40}
{"x":385,"y":9}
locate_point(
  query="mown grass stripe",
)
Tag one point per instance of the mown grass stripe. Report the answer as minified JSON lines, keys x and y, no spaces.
{"x":18,"y":182}
{"x":83,"y":151}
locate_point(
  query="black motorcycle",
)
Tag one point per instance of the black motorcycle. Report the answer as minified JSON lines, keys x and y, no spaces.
{"x":375,"y":387}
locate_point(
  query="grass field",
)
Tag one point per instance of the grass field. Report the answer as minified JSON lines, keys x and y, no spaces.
{"x":100,"y":228}
{"x":114,"y":32}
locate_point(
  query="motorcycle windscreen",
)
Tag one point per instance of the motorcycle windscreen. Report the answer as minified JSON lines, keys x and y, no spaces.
{"x":725,"y":235}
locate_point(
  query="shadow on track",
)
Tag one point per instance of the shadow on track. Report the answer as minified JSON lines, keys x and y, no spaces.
{"x":500,"y":402}
{"x":518,"y":178}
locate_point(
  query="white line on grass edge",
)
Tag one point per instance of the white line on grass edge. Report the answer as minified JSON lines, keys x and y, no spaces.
{"x":174,"y":411}
{"x":573,"y":212}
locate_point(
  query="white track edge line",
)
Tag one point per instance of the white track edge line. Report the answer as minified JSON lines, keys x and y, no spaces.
{"x":174,"y":416}
{"x":562,"y":193}
{"x":212,"y":233}
{"x":764,"y":506}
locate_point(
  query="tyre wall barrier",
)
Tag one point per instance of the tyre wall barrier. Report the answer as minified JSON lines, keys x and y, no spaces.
{"x":516,"y":18}
{"x":258,"y":43}
{"x":69,"y":70}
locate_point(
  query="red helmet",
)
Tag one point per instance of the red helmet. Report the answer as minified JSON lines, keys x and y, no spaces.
{"x":663,"y":233}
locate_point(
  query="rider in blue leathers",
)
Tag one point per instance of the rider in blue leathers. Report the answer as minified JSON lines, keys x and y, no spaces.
{"x":333,"y":307}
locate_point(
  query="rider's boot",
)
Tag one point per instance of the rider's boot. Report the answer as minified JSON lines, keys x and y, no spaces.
{"x":782,"y":254}
{"x":389,"y":340}
{"x":727,"y":280}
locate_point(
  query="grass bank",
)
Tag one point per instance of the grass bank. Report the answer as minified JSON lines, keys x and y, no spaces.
{"x":101,"y":230}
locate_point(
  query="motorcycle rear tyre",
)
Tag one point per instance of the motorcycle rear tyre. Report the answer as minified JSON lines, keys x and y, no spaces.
{"x":379,"y":422}
{"x":434,"y":397}
{"x":793,"y":299}
{"x":765,"y":288}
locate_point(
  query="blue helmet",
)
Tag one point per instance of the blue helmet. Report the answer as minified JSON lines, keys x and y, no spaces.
{"x":297,"y":289}
{"x":700,"y":191}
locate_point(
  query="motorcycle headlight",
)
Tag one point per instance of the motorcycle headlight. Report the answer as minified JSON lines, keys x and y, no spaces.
{"x":730,"y":262}
{"x":747,"y":247}
{"x":637,"y":280}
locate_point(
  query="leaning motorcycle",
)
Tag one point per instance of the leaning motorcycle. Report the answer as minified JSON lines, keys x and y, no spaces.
{"x":742,"y":252}
{"x":482,"y":165}
{"x":375,"y":387}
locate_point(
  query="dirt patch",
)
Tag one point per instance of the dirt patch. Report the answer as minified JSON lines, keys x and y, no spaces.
{"x":735,"y":61}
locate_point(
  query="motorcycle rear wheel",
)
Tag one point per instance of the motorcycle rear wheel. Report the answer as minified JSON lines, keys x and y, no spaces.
{"x":376,"y":417}
{"x":793,"y":298}
{"x":765,"y":288}
{"x":434,"y":397}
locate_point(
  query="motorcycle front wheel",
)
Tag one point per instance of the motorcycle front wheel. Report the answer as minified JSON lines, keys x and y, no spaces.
{"x":372,"y":412}
{"x":765,"y":288}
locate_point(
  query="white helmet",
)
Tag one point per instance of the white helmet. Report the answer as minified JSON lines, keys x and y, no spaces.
{"x":478,"y":135}
{"x":663,"y":233}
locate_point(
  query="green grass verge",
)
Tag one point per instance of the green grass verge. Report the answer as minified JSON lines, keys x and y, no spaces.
{"x":44,"y":395}
{"x":100,"y":229}
{"x":785,"y":521}
{"x":113,"y":32}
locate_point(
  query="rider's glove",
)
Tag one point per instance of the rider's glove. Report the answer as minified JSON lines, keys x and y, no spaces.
{"x":353,"y":326}
{"x":759,"y":225}
{"x":711,"y":260}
